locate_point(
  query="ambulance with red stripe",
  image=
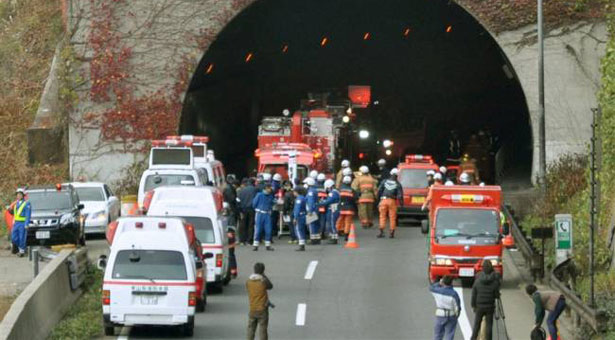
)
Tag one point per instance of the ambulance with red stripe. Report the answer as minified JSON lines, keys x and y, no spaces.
{"x":151,"y":276}
{"x":413,"y":179}
{"x":464,"y":229}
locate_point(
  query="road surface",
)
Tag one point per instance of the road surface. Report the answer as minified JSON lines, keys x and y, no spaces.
{"x":379,"y":291}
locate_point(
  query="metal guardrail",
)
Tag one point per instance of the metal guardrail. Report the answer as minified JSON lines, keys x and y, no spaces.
{"x":596,"y":319}
{"x":77,"y":267}
{"x":520,"y":240}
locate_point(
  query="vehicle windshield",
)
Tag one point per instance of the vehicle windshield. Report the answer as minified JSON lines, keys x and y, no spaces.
{"x":203,"y":228}
{"x":149,"y":265}
{"x":50,"y":200}
{"x":159,"y":180}
{"x":467,"y":226}
{"x":91,"y":194}
{"x":413,"y":178}
{"x":282,"y":169}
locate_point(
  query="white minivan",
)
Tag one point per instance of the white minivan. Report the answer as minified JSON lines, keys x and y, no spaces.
{"x":201,"y":207}
{"x":151,"y":275}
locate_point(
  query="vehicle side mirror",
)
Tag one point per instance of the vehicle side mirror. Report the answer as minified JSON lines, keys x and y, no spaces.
{"x":80,"y":206}
{"x":102,"y":262}
{"x":199,"y":264}
{"x":506,"y":228}
{"x":424,"y":226}
{"x":209,"y":255}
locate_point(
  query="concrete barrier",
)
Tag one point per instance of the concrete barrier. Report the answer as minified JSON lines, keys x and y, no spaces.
{"x":43,"y":302}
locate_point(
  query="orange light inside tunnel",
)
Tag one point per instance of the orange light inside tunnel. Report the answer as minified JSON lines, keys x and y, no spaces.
{"x":407,"y":32}
{"x":366,"y":36}
{"x":324,"y":41}
{"x":361,"y":155}
{"x":249,"y":57}
{"x":449,"y":29}
{"x":209,"y":69}
{"x":285,"y":49}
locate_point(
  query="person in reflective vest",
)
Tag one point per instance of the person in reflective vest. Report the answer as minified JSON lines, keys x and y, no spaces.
{"x":365,"y":184}
{"x":22,"y":212}
{"x":299,"y":211}
{"x":389,"y":193}
{"x":312,"y":208}
{"x":263,"y":204}
{"x":332,"y":206}
{"x":348,"y":206}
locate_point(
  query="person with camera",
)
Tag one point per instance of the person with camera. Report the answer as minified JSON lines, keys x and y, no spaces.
{"x":257,"y":286}
{"x":485,"y":292}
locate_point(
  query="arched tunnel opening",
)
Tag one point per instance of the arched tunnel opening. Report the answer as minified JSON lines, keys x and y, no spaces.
{"x":432,"y":68}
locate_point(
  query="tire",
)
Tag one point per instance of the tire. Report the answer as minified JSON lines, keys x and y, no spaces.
{"x":109,"y":330}
{"x":188,"y":328}
{"x":200,"y":305}
{"x":227,"y":279}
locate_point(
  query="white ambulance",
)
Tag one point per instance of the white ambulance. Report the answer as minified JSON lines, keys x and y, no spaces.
{"x":151,"y":275}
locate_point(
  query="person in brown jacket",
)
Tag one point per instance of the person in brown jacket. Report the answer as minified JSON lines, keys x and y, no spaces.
{"x":549,"y":300}
{"x":257,"y":286}
{"x":367,"y":187}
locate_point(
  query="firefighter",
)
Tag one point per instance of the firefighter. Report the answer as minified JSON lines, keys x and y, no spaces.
{"x":465,"y":179}
{"x":314,"y":174}
{"x":340,"y":174}
{"x":365,"y":184}
{"x":383,"y":171}
{"x":454,"y":145}
{"x":331,"y":203}
{"x":322,"y":210}
{"x":299,"y":211}
{"x":263,"y":204}
{"x":437,"y":182}
{"x":22,"y":212}
{"x":348,"y":206}
{"x":443,"y":171}
{"x":389,"y":192}
{"x":468,"y":165}
{"x":312,"y":208}
{"x":430,"y":180}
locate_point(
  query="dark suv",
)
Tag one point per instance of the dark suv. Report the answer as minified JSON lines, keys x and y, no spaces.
{"x":56,"y":216}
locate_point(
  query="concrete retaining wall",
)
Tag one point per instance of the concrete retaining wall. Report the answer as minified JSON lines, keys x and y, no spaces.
{"x":42,"y":304}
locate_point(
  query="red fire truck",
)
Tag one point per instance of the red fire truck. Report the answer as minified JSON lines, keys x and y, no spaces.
{"x":413,"y":179}
{"x":291,"y":160}
{"x":464,"y":229}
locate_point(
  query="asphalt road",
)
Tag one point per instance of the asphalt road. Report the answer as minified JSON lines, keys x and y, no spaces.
{"x":379,"y":291}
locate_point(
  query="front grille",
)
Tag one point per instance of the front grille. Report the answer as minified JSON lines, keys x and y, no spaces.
{"x":466,"y":261}
{"x":44,"y":222}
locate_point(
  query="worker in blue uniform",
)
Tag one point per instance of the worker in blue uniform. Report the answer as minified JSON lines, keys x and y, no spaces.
{"x":22,"y":212}
{"x":263,"y":205}
{"x":299,"y":211}
{"x":331,"y":203}
{"x":312,"y":208}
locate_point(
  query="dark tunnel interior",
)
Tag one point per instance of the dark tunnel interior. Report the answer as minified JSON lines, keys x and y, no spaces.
{"x":431,"y":67}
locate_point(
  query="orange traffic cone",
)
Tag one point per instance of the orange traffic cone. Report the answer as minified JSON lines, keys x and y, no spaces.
{"x":352,"y":239}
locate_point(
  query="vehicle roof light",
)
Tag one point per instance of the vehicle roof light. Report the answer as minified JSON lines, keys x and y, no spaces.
{"x":162,"y":225}
{"x":59,"y":186}
{"x":419,"y":159}
{"x":190,"y":138}
{"x":139,"y":225}
{"x":466,"y":198}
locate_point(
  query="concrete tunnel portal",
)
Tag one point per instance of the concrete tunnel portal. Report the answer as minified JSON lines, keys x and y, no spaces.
{"x":431,"y":66}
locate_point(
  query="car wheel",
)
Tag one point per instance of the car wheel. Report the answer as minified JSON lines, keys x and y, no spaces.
{"x":109,"y":330}
{"x":227,"y":279}
{"x":200,"y":305}
{"x":188,"y":328}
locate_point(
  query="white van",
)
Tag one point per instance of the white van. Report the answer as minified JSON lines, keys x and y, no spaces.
{"x":154,"y":178}
{"x":198,"y":206}
{"x":214,"y":169}
{"x":150,"y":276}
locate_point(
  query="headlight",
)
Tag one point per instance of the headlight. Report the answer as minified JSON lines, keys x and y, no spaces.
{"x":67,"y":219}
{"x":98,"y":216}
{"x":495,"y":261}
{"x":439,"y":261}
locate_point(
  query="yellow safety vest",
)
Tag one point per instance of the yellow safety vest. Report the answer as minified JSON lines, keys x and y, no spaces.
{"x":17,"y":212}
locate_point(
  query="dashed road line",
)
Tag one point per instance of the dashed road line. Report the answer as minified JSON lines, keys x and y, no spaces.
{"x":463,"y":321}
{"x":309,"y":273}
{"x":300,"y":318}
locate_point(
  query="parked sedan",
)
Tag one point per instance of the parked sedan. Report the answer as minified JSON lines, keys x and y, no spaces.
{"x":100,"y":206}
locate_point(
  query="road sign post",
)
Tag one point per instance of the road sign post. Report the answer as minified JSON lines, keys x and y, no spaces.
{"x":563,"y":237}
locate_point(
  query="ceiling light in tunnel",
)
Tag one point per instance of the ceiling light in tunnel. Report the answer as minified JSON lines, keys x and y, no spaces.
{"x":324,"y":41}
{"x":349,"y":110}
{"x":449,"y":28}
{"x":366,"y":36}
{"x":407,"y":32}
{"x":346,"y":119}
{"x":249,"y":57}
{"x":364,"y":134}
{"x":286,"y":112}
{"x":284,"y":48}
{"x":388,"y":152}
{"x":210,"y":68}
{"x":387,"y":143}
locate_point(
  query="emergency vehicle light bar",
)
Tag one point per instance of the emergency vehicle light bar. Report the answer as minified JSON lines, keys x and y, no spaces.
{"x":419,"y":159}
{"x":170,"y":142}
{"x":189,"y":138}
{"x":467,"y":198}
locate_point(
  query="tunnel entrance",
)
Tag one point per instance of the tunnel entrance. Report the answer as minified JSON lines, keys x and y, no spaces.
{"x":431,"y":66}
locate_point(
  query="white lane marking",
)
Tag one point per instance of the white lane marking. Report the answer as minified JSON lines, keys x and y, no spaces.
{"x":300,"y":318}
{"x":309,"y":273}
{"x":463,"y":321}
{"x":122,"y":337}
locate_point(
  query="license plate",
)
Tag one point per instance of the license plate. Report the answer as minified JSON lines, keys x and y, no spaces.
{"x":149,"y":299}
{"x":466,"y":272}
{"x":418,"y":199}
{"x":43,"y":235}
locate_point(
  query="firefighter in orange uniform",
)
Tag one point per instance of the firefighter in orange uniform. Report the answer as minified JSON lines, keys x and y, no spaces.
{"x":389,"y":192}
{"x":437,"y":182}
{"x":341,"y":173}
{"x":365,"y":185}
{"x":348,"y":205}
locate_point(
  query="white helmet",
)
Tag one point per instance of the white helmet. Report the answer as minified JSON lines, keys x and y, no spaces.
{"x":437,"y":176}
{"x":443,"y":169}
{"x":266,"y":176}
{"x":20,"y":191}
{"x":449,"y":183}
{"x":382,"y":162}
{"x":309,"y":181}
{"x":430,"y":172}
{"x":482,"y":184}
{"x":329,"y":184}
{"x":345,"y":163}
{"x":347,"y":180}
{"x":277,"y":177}
{"x":465,"y":178}
{"x":347,"y":172}
{"x":364,"y":169}
{"x":313,"y":174}
{"x":394,"y":171}
{"x":321,"y":177}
